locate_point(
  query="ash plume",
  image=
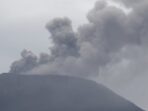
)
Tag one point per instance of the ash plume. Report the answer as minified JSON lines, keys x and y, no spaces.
{"x":64,"y":38}
{"x":110,"y":37}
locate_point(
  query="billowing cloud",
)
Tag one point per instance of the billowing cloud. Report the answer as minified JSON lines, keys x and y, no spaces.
{"x":94,"y":46}
{"x":64,"y":38}
{"x":27,"y":62}
{"x":130,"y":3}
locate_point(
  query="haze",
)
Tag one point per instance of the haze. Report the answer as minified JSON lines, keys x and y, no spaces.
{"x":119,"y":61}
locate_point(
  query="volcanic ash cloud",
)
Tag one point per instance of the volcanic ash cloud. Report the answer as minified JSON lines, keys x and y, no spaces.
{"x":109,"y":37}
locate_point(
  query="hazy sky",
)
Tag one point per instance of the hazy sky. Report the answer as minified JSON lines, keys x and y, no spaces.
{"x":23,"y":21}
{"x":22,"y":26}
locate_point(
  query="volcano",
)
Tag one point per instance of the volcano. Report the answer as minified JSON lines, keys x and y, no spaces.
{"x":58,"y":93}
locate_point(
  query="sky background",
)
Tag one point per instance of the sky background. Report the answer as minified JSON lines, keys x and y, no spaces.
{"x":22,"y":26}
{"x":23,"y":21}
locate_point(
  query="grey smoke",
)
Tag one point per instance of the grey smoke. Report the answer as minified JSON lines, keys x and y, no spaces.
{"x":27,"y":62}
{"x":94,"y":46}
{"x":64,"y":38}
{"x":44,"y":58}
{"x":130,"y":3}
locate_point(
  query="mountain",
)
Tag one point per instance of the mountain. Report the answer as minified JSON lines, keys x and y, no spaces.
{"x":57,"y":93}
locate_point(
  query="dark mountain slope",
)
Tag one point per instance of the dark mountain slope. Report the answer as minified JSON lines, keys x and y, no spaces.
{"x":57,"y":93}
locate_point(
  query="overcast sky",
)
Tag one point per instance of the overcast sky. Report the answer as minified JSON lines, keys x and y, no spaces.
{"x":22,"y":26}
{"x":23,"y":21}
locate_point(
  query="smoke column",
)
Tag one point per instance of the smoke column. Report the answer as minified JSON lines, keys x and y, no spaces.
{"x":110,"y":48}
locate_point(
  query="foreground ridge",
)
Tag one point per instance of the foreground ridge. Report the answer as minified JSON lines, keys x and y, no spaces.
{"x":58,"y":93}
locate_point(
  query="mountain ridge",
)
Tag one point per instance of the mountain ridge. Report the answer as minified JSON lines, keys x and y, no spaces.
{"x":58,"y":93}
